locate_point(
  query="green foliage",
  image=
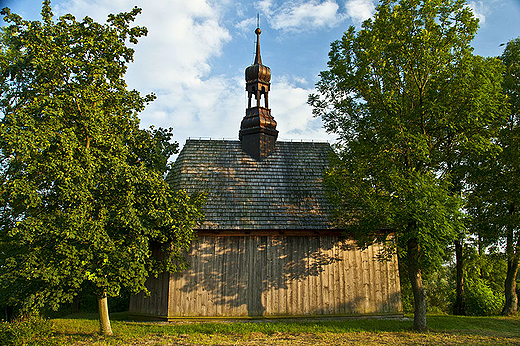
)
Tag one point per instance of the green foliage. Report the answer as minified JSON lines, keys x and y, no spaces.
{"x":31,"y":330}
{"x":410,"y":104}
{"x":494,"y":202}
{"x":439,"y":285}
{"x":412,"y":107}
{"x":83,"y":197}
{"x":481,"y":300}
{"x":484,"y":279}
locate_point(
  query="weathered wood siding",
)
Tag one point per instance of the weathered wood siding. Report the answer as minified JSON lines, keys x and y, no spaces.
{"x":279,"y":276}
{"x":156,"y":304}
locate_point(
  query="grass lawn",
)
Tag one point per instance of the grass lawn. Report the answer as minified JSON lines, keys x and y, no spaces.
{"x":444,"y":330}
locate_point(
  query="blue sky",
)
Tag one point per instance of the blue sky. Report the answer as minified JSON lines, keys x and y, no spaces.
{"x":196,"y":52}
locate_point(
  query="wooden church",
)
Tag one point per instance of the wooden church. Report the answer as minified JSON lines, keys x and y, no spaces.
{"x":267,"y":246}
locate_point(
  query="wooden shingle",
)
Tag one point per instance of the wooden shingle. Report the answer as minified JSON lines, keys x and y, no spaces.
{"x":285,"y":191}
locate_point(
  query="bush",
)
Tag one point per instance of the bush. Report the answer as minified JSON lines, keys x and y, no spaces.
{"x":27,"y":331}
{"x":481,"y":300}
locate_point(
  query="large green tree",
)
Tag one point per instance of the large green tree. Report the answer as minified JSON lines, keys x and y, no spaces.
{"x":82,"y":196}
{"x":409,"y":103}
{"x":495,"y":201}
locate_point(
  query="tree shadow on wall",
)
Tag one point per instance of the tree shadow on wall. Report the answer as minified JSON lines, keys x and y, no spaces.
{"x":259,"y":274}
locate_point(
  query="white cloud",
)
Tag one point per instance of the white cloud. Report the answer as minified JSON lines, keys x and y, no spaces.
{"x":479,"y":9}
{"x":174,"y":61}
{"x":246,"y":25}
{"x":301,"y":15}
{"x":359,"y":10}
{"x":265,"y":6}
{"x":293,"y":114}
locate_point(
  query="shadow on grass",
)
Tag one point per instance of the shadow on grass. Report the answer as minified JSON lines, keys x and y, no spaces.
{"x":86,"y":324}
{"x":476,"y":325}
{"x":114,"y":316}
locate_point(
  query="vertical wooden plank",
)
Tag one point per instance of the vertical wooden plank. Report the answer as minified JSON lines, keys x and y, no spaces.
{"x":396,"y":291}
{"x":386,"y":288}
{"x":358,"y":281}
{"x":283,"y":283}
{"x":308,"y":279}
{"x":269,"y":276}
{"x":366,"y":280}
{"x":244,"y":275}
{"x":185,"y":281}
{"x":174,"y":295}
{"x":287,"y":274}
{"x":276,"y":275}
{"x":209,"y":255}
{"x":263,"y":276}
{"x":379,"y":279}
{"x":337,"y":265}
{"x":216,"y":276}
{"x":253,"y":287}
{"x":233,"y":275}
{"x":342,"y":277}
{"x":252,"y":305}
{"x":290,"y":276}
{"x":324,"y":288}
{"x":306,"y":292}
{"x":258,"y":276}
{"x":302,"y":261}
{"x":334,"y":287}
{"x":315,"y":282}
{"x":224,"y":272}
{"x":199,"y":278}
{"x":171,"y":289}
{"x":373,"y":286}
{"x":347,"y":273}
{"x":330,"y":269}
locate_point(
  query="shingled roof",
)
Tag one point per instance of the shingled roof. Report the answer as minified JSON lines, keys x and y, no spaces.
{"x":285,"y":191}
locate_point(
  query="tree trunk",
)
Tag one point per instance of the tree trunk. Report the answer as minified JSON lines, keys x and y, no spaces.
{"x":419,"y":295}
{"x":104,"y":320}
{"x":511,"y":304}
{"x":459,"y":307}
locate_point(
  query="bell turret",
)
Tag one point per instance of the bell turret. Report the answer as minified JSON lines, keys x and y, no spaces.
{"x":258,"y":129}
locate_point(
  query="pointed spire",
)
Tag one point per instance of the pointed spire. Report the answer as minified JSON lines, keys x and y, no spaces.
{"x":258,"y":132}
{"x":258,"y":59}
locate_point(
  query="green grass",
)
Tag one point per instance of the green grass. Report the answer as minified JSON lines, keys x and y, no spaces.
{"x":81,"y":329}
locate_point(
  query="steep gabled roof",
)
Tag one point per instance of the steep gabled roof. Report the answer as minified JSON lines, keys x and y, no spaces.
{"x":285,"y":191}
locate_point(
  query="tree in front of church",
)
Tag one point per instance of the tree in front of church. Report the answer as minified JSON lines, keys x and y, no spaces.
{"x":82,"y":200}
{"x":411,"y":106}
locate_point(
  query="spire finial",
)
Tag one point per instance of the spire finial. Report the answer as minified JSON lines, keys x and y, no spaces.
{"x":258,"y":59}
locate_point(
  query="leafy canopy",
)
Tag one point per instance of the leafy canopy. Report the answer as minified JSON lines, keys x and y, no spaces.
{"x":82,"y":195}
{"x":410,"y":104}
{"x":495,"y":199}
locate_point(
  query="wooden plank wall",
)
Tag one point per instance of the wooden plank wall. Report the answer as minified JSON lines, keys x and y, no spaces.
{"x":283,"y":275}
{"x":156,"y":304}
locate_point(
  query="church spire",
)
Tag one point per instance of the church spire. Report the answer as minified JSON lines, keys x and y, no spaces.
{"x":258,"y":132}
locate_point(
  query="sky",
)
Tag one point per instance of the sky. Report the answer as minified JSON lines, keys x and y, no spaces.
{"x":196,"y":52}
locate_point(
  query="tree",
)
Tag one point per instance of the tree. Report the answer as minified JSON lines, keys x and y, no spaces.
{"x":495,"y":201}
{"x":410,"y":104}
{"x":82,"y":198}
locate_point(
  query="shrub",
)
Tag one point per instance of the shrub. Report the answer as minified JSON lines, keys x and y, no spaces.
{"x":481,"y":300}
{"x":27,"y":331}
